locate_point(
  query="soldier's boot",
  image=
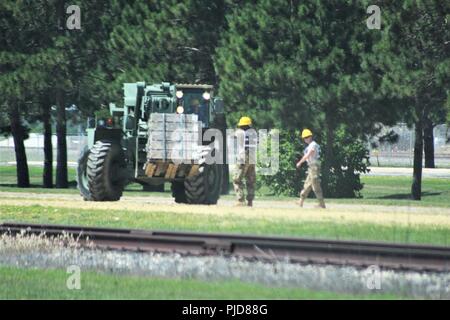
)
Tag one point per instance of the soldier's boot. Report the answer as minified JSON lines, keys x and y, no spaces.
{"x":321,"y":204}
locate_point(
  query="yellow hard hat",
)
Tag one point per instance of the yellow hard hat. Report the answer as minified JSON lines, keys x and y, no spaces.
{"x":306,"y":133}
{"x":245,"y":121}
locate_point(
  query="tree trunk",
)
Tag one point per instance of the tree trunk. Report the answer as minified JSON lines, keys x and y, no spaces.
{"x":48,"y":148}
{"x":416,"y":188}
{"x":329,"y":153}
{"x":61,"y":157}
{"x":428,"y":139}
{"x":18,"y":133}
{"x":221,"y":123}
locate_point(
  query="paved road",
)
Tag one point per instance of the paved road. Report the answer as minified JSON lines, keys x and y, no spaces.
{"x":430,"y":173}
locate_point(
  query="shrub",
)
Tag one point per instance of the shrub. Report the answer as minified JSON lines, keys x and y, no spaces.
{"x":350,"y":158}
{"x":287,"y":180}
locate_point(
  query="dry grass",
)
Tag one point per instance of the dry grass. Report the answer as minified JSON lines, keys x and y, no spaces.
{"x":287,"y":210}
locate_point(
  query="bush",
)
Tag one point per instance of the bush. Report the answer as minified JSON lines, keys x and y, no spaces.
{"x":287,"y":180}
{"x":350,"y":158}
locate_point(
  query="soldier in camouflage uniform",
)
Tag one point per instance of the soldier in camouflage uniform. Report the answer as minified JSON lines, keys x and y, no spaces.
{"x":312,"y":182}
{"x":246,"y":166}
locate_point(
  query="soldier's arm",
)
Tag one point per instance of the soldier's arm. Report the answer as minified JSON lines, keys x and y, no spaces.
{"x":309,"y":154}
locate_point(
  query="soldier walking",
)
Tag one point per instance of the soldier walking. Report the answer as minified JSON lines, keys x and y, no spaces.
{"x":312,"y":182}
{"x":246,"y":166}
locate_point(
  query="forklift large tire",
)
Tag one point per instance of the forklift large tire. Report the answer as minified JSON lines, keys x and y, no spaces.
{"x":204,"y":187}
{"x":178,"y":192}
{"x":106,"y":171}
{"x":82,"y":178}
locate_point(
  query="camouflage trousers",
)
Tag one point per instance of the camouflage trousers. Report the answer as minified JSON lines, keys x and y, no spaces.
{"x":312,"y":182}
{"x":247,"y":172}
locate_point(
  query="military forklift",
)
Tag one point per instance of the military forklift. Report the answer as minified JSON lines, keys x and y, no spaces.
{"x":136,"y":143}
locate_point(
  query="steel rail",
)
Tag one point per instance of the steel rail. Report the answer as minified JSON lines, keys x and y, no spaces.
{"x":396,"y":256}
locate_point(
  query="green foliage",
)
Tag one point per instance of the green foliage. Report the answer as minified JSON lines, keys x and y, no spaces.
{"x":413,"y":57}
{"x":351,"y":158}
{"x":5,"y":127}
{"x":102,"y":114}
{"x":295,"y":63}
{"x":287,"y":65}
{"x":163,"y":41}
{"x":287,"y":180}
{"x":299,"y":64}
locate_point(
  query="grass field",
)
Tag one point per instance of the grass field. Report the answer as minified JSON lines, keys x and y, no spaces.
{"x":8,"y":182}
{"x":16,"y":283}
{"x":396,"y":191}
{"x":384,"y":214}
{"x":396,"y":220}
{"x":434,"y":229}
{"x":378,"y":190}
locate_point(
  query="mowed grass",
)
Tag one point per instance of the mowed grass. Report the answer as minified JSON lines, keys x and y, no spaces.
{"x":385,"y":190}
{"x":9,"y":178}
{"x":17,"y":283}
{"x":8,"y":183}
{"x":378,"y":190}
{"x":391,"y":191}
{"x":228,"y":223}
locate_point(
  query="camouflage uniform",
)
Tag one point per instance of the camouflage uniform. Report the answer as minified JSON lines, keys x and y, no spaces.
{"x":247,"y":171}
{"x":312,"y":181}
{"x":246,"y":167}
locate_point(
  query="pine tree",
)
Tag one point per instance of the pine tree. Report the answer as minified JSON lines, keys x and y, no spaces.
{"x":300,"y":64}
{"x":23,"y":59}
{"x":414,"y":58}
{"x":44,"y":64}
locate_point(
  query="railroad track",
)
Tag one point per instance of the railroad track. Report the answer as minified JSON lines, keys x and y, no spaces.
{"x":299,"y":250}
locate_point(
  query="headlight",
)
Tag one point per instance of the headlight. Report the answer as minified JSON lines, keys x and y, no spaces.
{"x":206,"y":95}
{"x":179,"y":94}
{"x":180,"y":109}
